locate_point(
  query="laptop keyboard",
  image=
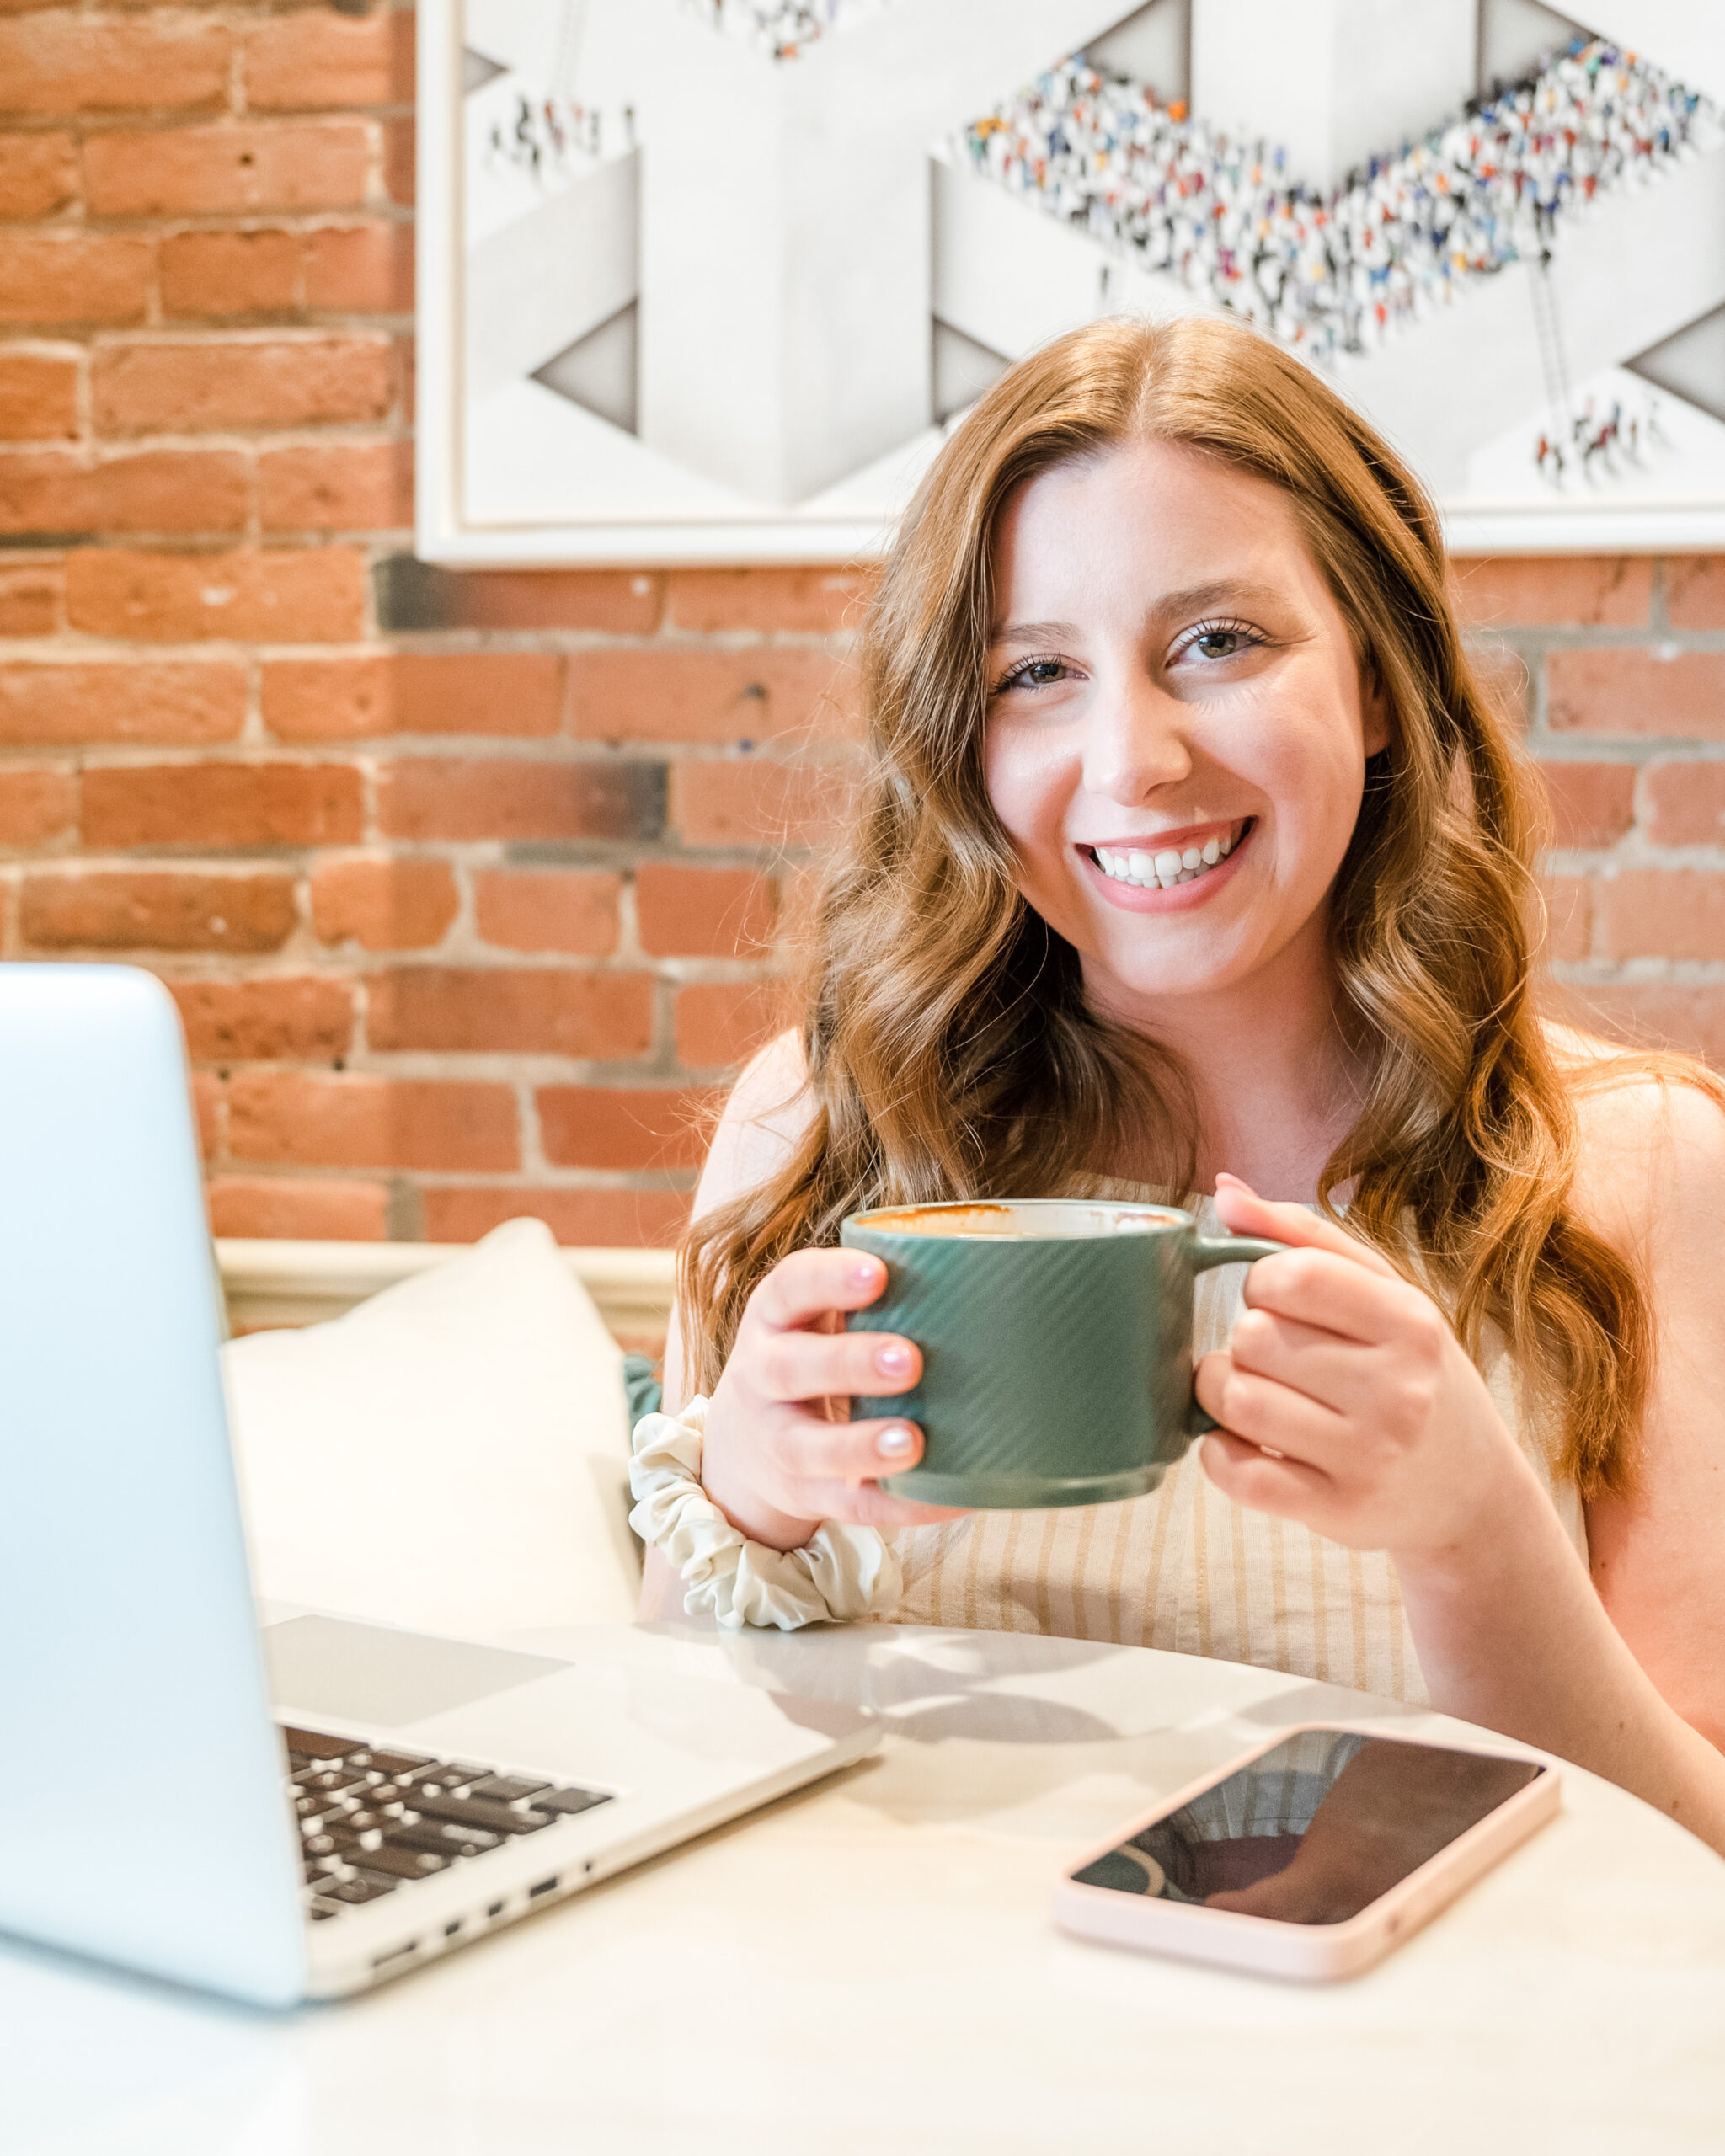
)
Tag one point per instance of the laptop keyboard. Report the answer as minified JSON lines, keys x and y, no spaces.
{"x":371,"y":1820}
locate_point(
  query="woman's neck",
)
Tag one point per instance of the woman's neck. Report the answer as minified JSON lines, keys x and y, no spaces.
{"x":1274,"y":1082}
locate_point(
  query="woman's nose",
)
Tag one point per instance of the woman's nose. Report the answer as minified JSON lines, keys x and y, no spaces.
{"x":1135,"y":743}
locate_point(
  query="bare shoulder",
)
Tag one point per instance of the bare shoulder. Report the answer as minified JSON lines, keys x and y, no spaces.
{"x":767,"y":1112}
{"x":1652,"y":1139}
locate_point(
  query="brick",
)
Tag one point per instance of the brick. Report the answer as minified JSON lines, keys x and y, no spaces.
{"x":38,"y":174}
{"x":300,"y":596}
{"x":383,"y":905}
{"x":412,"y":595}
{"x":720,"y":1023}
{"x":276,"y":1017}
{"x":1695,"y":591}
{"x":38,"y":396}
{"x":573,"y":910}
{"x":625,"y":1126}
{"x":356,"y":1120}
{"x":175,"y":385}
{"x":36,"y":807}
{"x":702,"y":913}
{"x":1553,"y":590}
{"x":660,"y":694}
{"x":292,"y":1208}
{"x":120,"y":700}
{"x":361,"y":268}
{"x":74,"y":276}
{"x":59,"y":61}
{"x":753,"y":801}
{"x":56,"y":494}
{"x":400,"y":158}
{"x":235,"y":166}
{"x":511,"y":692}
{"x":1631,"y":690}
{"x":156,"y":909}
{"x":820,"y":601}
{"x":224,"y":805}
{"x":530,"y":1011}
{"x":1689,"y":1019}
{"x":29,"y":602}
{"x":346,"y":486}
{"x":1684,"y":805}
{"x":1591,"y":804}
{"x":222,"y":273}
{"x":1569,"y":918}
{"x":474,"y":797}
{"x":605,"y":1220}
{"x":1662,"y":913}
{"x":314,"y":57}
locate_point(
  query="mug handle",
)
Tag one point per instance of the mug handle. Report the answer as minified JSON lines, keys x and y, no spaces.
{"x":1209,"y":1251}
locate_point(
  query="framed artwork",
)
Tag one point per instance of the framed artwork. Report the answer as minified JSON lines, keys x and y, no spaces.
{"x":709,"y":280}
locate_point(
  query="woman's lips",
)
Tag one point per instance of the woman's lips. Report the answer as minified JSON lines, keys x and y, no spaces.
{"x":1175,"y":898}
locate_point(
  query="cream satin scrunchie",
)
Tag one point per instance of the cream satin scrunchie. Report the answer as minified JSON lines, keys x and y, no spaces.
{"x":841,"y":1573}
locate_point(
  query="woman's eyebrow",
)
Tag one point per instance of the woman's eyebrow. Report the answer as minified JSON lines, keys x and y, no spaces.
{"x":1033,"y":633}
{"x":1220,"y":592}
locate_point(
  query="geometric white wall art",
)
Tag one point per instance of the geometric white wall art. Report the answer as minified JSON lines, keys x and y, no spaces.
{"x":707,"y":280}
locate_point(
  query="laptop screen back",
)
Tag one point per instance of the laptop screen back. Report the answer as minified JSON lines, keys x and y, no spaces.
{"x":142,"y":1812}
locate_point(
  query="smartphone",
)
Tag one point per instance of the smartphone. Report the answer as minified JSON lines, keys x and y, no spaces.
{"x":1310,"y":1857}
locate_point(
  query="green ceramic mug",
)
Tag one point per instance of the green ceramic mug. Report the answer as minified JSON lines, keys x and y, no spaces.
{"x":1056,"y":1339}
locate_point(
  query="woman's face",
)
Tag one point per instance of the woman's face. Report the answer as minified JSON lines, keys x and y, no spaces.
{"x":1177,"y":732}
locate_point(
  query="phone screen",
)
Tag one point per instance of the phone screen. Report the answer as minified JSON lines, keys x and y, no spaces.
{"x":1313,"y":1830}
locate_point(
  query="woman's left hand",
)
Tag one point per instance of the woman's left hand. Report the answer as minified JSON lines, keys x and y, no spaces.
{"x":1347,"y":1402}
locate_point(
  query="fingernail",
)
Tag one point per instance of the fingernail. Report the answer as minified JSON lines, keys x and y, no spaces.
{"x":894,"y":1440}
{"x":864,"y":1272}
{"x":892,"y":1361}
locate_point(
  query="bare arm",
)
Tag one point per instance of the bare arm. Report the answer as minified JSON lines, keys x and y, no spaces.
{"x":1385,"y":1437}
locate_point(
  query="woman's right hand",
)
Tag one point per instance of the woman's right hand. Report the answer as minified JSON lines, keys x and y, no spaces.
{"x":778,"y":1456}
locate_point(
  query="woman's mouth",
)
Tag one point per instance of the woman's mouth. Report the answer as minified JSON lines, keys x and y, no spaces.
{"x":1161,"y":866}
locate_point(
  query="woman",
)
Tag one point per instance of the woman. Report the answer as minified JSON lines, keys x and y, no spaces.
{"x":1193,"y":858}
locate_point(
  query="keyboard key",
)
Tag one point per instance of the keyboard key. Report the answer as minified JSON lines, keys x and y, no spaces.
{"x":568,"y":1802}
{"x":393,"y":1763}
{"x":313,"y":1746}
{"x":319,"y":1844}
{"x":479,"y":1811}
{"x":507,"y":1789}
{"x":443,"y":1837}
{"x":447,"y":1779}
{"x":401,"y":1864}
{"x":327,"y":1781}
{"x":321,"y":1912}
{"x":319,"y":1881}
{"x":362,"y":1890}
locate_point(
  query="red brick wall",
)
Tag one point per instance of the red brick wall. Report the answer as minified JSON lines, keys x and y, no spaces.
{"x":467,"y":883}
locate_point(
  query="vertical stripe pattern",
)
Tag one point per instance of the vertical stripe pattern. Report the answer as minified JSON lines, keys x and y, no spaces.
{"x":1186,"y":1569}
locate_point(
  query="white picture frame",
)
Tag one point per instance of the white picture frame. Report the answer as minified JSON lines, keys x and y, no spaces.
{"x":769,"y":415}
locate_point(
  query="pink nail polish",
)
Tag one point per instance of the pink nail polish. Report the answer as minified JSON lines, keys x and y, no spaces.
{"x":864,"y":1272}
{"x":892,"y":1362}
{"x":894,"y":1440}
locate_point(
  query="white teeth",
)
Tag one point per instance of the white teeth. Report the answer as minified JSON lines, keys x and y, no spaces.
{"x":1165,"y":869}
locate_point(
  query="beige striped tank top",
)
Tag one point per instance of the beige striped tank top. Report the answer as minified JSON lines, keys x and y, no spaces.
{"x":1188,"y":1569}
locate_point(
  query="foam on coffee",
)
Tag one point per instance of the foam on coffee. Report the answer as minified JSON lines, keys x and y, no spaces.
{"x":983,"y":1221}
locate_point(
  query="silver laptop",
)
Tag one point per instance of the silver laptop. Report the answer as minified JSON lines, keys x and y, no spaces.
{"x":305,"y":1808}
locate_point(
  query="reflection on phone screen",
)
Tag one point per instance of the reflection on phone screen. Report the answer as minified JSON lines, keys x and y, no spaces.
{"x":1315,"y":1829}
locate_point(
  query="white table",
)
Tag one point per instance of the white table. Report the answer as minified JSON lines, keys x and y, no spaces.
{"x":870,"y":1965}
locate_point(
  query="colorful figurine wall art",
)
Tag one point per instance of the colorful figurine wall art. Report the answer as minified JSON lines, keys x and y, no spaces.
{"x":710,"y":278}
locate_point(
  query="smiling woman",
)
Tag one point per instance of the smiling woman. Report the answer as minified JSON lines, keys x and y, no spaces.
{"x":1194,"y":857}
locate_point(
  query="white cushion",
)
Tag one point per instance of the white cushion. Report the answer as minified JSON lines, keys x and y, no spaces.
{"x":452,"y":1455}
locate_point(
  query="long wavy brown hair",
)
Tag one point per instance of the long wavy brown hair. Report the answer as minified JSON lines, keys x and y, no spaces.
{"x":950,"y":1049}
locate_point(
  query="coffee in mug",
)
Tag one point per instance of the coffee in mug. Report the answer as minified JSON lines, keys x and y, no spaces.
{"x":1056,"y":1340}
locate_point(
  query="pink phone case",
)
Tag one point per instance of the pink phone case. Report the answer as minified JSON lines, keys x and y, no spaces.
{"x":1311,"y":1953}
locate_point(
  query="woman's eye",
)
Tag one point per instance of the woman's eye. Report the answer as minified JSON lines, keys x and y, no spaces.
{"x":1034,"y":674}
{"x":1219,"y":640}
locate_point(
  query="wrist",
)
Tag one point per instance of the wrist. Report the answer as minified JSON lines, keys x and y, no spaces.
{"x":1509,"y":1520}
